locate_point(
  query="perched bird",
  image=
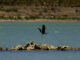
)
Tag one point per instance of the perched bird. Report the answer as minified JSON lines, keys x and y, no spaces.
{"x":43,"y":32}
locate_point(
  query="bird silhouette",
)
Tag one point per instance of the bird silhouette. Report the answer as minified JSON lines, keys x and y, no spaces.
{"x":42,"y":31}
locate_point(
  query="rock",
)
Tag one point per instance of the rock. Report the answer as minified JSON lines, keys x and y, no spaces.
{"x":19,"y":47}
{"x":37,"y":47}
{"x":28,"y":44}
{"x":31,"y":47}
{"x":63,"y":48}
{"x":6,"y":49}
{"x":44,"y":47}
{"x":52,"y":48}
{"x":78,"y":49}
{"x":1,"y":48}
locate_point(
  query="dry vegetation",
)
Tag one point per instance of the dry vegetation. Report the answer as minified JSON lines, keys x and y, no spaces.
{"x":39,"y":9}
{"x":41,"y":2}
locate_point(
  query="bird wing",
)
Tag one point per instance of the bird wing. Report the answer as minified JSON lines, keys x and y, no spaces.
{"x":39,"y":29}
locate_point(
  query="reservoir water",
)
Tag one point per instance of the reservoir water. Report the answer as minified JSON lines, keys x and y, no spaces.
{"x":16,"y":33}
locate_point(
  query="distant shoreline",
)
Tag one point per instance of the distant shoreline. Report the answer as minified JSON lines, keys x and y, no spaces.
{"x":40,"y":20}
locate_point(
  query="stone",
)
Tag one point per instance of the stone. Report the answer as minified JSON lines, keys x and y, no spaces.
{"x":37,"y":47}
{"x":62,"y":48}
{"x":31,"y":47}
{"x":18,"y":47}
{"x":1,"y":48}
{"x":52,"y":47}
{"x":44,"y":47}
{"x":28,"y":44}
{"x":78,"y":49}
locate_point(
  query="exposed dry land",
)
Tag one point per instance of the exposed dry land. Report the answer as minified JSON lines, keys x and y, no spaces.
{"x":39,"y":10}
{"x":40,"y":20}
{"x":39,"y":14}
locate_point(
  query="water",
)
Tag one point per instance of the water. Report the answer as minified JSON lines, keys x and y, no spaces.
{"x":12,"y":34}
{"x":40,"y":55}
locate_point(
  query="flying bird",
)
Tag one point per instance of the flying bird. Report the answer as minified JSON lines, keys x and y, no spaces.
{"x":42,"y":30}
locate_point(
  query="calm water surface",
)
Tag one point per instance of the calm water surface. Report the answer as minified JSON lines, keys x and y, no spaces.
{"x":40,"y":55}
{"x":12,"y":34}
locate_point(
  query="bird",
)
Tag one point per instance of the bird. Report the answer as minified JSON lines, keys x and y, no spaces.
{"x":42,"y":30}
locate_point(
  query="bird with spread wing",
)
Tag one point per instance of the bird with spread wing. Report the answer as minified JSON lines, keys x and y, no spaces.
{"x":42,"y":30}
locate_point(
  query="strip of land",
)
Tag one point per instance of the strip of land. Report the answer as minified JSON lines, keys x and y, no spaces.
{"x":39,"y":11}
{"x":40,"y":20}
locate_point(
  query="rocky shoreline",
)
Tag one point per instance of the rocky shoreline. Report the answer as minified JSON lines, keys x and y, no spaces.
{"x":38,"y":47}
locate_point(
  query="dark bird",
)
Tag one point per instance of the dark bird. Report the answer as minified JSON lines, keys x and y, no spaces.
{"x":42,"y":30}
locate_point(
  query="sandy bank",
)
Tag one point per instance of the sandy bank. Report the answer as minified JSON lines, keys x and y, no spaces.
{"x":40,"y":20}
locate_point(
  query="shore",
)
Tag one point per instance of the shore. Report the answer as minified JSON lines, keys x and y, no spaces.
{"x":41,"y":20}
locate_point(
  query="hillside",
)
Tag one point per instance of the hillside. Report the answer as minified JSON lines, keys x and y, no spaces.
{"x":39,"y":9}
{"x":69,"y":3}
